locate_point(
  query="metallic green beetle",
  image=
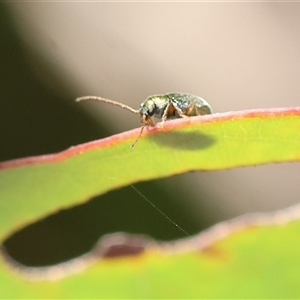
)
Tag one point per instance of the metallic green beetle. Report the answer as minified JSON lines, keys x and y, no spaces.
{"x":162,"y":106}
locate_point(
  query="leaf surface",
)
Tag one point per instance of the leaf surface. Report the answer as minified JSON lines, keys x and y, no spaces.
{"x":32,"y":188}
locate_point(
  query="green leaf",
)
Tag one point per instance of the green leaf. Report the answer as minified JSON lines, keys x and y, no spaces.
{"x":32,"y":188}
{"x":250,"y":257}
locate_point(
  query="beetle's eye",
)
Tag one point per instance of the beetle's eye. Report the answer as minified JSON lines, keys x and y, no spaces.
{"x":147,"y":108}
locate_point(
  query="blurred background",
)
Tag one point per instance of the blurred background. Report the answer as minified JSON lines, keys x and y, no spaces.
{"x":235,"y":55}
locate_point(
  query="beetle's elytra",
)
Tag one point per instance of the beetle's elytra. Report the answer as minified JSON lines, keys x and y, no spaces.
{"x":162,"y":106}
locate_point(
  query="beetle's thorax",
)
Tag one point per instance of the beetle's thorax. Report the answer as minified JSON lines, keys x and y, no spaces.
{"x":154,"y":106}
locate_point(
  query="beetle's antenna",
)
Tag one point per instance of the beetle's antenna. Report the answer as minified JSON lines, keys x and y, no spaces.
{"x":135,"y":111}
{"x":142,"y":129}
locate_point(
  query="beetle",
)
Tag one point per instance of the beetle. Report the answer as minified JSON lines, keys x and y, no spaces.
{"x":162,"y":106}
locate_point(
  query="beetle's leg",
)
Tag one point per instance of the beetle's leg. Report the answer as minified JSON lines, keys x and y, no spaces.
{"x":191,"y":108}
{"x":164,"y":116}
{"x":181,"y":114}
{"x":151,"y":122}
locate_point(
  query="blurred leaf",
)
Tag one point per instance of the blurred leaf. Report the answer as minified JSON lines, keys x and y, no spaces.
{"x":250,"y":257}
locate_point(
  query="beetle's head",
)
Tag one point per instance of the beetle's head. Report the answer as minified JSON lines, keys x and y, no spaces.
{"x":147,"y":110}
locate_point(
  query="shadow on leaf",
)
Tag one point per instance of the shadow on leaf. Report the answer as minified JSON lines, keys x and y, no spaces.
{"x":184,"y":140}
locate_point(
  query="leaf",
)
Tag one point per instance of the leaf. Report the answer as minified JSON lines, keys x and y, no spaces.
{"x":33,"y":187}
{"x":250,"y":257}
